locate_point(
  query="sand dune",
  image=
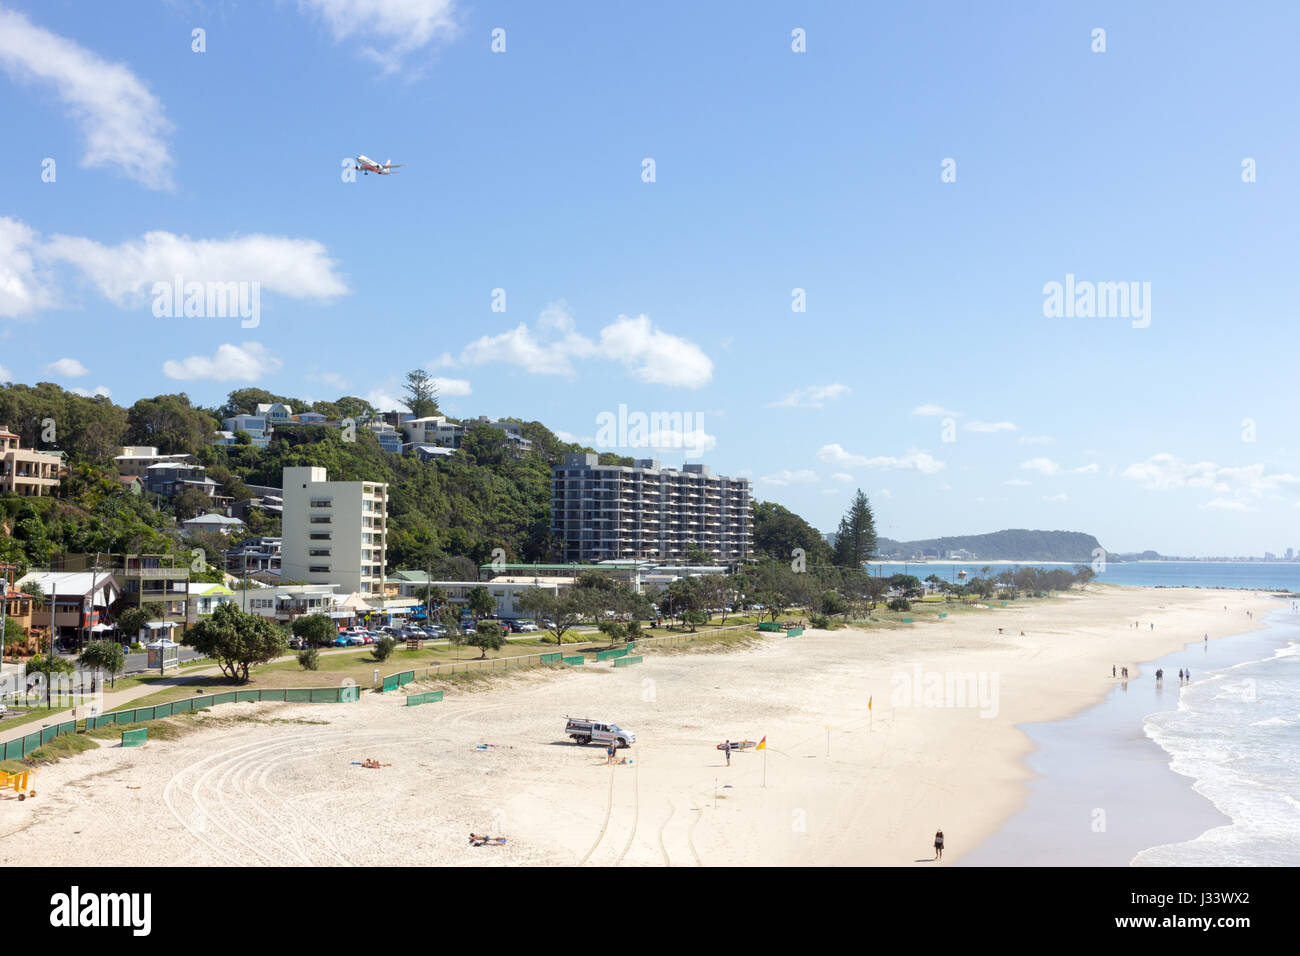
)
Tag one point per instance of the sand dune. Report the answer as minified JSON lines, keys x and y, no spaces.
{"x":274,"y":783}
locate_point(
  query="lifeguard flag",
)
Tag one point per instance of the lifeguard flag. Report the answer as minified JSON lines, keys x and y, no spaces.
{"x":762,"y":744}
{"x":868,"y":703}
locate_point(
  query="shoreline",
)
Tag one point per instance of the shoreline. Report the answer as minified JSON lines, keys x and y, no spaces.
{"x":837,"y":785}
{"x":1124,"y":795}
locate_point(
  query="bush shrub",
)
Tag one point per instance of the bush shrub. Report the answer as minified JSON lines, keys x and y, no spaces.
{"x":383,"y":648}
{"x":309,"y":659}
{"x":900,"y":604}
{"x":819,"y":621}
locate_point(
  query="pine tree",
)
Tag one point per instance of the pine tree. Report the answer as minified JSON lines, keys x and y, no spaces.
{"x":856,"y":540}
{"x":421,"y":393}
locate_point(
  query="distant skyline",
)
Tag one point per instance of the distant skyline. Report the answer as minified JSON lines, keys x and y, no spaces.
{"x":1039,"y":284}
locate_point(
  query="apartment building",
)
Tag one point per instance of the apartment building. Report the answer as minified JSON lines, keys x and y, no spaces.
{"x":75,"y":606}
{"x":158,"y":583}
{"x":433,"y":430}
{"x":334,"y":532}
{"x":136,"y":459}
{"x":613,"y":512}
{"x":25,"y":471}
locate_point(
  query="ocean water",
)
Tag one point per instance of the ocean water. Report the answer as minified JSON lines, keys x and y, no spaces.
{"x":1263,"y":576}
{"x":1236,"y":734}
{"x":1168,"y":774}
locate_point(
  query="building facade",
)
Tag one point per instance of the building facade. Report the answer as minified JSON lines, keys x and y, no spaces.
{"x":334,"y":532}
{"x":614,"y":512}
{"x":24,"y":471}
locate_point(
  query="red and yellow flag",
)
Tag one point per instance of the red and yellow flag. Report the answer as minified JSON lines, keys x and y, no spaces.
{"x":762,"y":744}
{"x":868,"y":703}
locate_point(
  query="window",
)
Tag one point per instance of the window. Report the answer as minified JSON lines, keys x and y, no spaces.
{"x":319,"y":568}
{"x":317,"y":536}
{"x":322,"y":503}
{"x":321,"y":519}
{"x":319,"y":553}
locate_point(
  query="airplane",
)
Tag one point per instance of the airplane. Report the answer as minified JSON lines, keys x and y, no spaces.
{"x":367,"y":165}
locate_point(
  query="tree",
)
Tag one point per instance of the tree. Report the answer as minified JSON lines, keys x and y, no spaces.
{"x":779,"y":531}
{"x":171,"y":423}
{"x":563,"y":610}
{"x":49,"y":665}
{"x":237,"y":640}
{"x":614,"y":630}
{"x":309,"y":658}
{"x":190,"y":503}
{"x":480,"y":602}
{"x":131,"y":621}
{"x":855,"y":541}
{"x":421,"y":393}
{"x":316,"y":629}
{"x":106,"y":656}
{"x":833,"y":602}
{"x":383,"y":648}
{"x":487,"y":636}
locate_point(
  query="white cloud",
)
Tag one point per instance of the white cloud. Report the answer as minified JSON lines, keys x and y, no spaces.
{"x":98,"y":390}
{"x":68,"y":368}
{"x":1089,"y":469}
{"x":451,"y":387}
{"x":122,"y":122}
{"x":564,"y":436}
{"x":935,"y":411}
{"x":1227,"y":504}
{"x":389,"y":30}
{"x":6,"y":375}
{"x":841,"y":476}
{"x":249,"y":362}
{"x":1057,"y":497}
{"x":1018,"y":483}
{"x":1164,"y":472}
{"x":445,"y":360}
{"x":126,"y":273}
{"x":650,"y":354}
{"x":332,"y":378}
{"x":813,"y":396}
{"x":802,"y":476}
{"x":990,"y":427}
{"x":1044,"y":466}
{"x":22,"y":291}
{"x":923,"y":462}
{"x":384,"y":400}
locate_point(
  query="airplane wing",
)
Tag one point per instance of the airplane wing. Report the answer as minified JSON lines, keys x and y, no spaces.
{"x":395,"y":165}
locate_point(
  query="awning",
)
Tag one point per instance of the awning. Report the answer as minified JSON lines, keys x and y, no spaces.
{"x":101,"y":628}
{"x":154,"y":625}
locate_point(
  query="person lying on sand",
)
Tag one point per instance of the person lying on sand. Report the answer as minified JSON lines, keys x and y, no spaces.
{"x":374,"y":764}
{"x":485,"y":840}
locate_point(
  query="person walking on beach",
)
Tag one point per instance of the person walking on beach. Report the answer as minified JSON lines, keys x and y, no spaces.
{"x":938,"y":844}
{"x":1189,"y":677}
{"x":1180,"y":675}
{"x":726,"y":748}
{"x":609,"y":753}
{"x":1112,"y":670}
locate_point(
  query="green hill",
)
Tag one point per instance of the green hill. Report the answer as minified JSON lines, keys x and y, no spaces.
{"x":1016,"y":544}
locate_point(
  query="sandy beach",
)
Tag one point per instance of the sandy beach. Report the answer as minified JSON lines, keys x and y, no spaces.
{"x":275,"y":783}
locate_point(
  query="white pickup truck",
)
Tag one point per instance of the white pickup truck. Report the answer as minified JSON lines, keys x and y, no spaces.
{"x":583,"y":730}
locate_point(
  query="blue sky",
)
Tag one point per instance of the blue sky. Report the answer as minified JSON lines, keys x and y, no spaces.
{"x":774,"y":171}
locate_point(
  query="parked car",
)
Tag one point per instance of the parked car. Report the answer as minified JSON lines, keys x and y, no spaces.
{"x":342,"y":641}
{"x":584,"y":730}
{"x":527,"y":627}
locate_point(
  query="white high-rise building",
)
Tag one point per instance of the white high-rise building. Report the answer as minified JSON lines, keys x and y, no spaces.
{"x":334,"y":532}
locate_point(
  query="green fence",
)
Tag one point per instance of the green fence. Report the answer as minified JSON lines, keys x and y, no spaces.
{"x":621,"y":661}
{"x":611,"y":653}
{"x":793,"y":631}
{"x":769,"y":626}
{"x":552,"y":658}
{"x":135,"y":738}
{"x":20,"y":747}
{"x":430,"y":697}
{"x":575,"y":660}
{"x":943,"y":614}
{"x":907,"y":620}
